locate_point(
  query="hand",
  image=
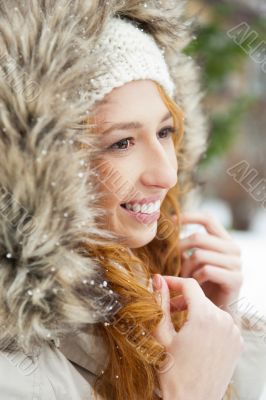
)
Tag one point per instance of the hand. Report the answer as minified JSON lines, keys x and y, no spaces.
{"x":206,"y":349}
{"x":216,"y":262}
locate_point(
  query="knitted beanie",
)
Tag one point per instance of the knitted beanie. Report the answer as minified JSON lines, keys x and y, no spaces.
{"x":126,"y":53}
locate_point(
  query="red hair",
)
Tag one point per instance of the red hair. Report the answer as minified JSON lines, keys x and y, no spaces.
{"x":133,"y":352}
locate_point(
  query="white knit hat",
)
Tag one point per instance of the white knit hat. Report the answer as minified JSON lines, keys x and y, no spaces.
{"x":129,"y":54}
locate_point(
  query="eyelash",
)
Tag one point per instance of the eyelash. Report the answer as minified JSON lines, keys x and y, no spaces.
{"x":170,"y":129}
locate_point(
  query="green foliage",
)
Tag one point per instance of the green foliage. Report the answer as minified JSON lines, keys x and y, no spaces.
{"x":219,"y":56}
{"x":224,"y":128}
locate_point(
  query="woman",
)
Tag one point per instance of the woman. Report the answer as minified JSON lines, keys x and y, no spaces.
{"x":77,"y":301}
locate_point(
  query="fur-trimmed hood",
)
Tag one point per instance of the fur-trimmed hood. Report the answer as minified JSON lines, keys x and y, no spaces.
{"x":47,"y":188}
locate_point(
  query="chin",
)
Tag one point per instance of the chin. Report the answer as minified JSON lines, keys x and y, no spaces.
{"x":142,"y":239}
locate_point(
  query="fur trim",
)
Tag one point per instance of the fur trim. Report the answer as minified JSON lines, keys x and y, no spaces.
{"x":47,"y":191}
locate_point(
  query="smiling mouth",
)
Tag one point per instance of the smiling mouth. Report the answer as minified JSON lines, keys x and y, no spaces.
{"x":142,"y":217}
{"x":143,"y":208}
{"x":136,"y":212}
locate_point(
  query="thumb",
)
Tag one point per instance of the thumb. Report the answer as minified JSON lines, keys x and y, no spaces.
{"x":165,"y":329}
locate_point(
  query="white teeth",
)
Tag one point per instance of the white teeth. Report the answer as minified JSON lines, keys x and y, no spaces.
{"x":151,"y":208}
{"x":136,"y":208}
{"x":145,"y":208}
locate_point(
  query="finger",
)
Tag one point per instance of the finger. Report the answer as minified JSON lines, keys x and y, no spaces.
{"x":184,"y":257}
{"x":208,"y":221}
{"x":209,"y":242}
{"x":165,"y":329}
{"x":219,"y":276}
{"x":203,"y":257}
{"x":191,"y":290}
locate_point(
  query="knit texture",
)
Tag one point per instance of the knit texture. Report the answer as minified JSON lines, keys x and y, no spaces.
{"x":129,"y":54}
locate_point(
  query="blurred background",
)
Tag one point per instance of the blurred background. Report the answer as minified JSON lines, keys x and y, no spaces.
{"x":230,"y":48}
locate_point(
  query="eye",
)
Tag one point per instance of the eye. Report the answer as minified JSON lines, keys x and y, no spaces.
{"x":123,"y":144}
{"x":169,"y":129}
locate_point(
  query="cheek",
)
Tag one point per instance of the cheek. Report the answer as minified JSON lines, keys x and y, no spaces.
{"x":115,"y":181}
{"x":172,"y":156}
{"x":175,"y":162}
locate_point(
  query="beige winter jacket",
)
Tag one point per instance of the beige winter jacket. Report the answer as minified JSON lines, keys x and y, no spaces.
{"x":47,"y":190}
{"x":249,"y":379}
{"x":68,"y":372}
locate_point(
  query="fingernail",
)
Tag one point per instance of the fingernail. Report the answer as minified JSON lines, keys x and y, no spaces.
{"x":157,"y":281}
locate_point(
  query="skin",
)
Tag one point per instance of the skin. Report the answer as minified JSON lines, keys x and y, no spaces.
{"x":148,"y":164}
{"x":215,"y":263}
{"x":203,"y":354}
{"x":143,"y":166}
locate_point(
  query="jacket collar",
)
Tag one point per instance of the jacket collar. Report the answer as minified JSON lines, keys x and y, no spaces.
{"x":87,"y":350}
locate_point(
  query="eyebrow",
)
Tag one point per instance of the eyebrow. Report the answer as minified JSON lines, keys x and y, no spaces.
{"x":131,"y":125}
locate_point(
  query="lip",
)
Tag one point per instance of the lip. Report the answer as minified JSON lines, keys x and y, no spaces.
{"x":143,"y":217}
{"x":146,"y":200}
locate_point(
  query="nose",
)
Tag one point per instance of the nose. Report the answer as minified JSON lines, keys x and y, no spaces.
{"x":160,"y":167}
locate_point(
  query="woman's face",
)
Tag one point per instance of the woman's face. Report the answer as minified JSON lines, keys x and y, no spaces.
{"x":138,"y":164}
